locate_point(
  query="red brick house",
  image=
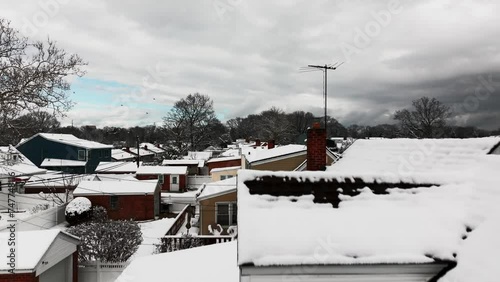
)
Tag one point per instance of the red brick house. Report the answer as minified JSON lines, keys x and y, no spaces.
{"x":170,"y":178}
{"x":126,"y":199}
{"x":223,"y":162}
{"x":41,"y":255}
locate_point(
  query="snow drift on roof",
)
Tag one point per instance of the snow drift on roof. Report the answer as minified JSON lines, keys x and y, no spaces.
{"x":209,"y":263}
{"x":413,"y":160}
{"x":123,"y":187}
{"x":414,"y":225}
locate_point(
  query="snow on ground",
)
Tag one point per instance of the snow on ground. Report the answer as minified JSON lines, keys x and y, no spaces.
{"x":151,"y":232}
{"x":209,"y":263}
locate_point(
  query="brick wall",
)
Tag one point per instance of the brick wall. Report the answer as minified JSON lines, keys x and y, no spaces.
{"x":18,"y":277}
{"x":138,"y":207}
{"x":316,"y":148}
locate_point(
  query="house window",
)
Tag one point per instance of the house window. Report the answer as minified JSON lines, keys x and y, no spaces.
{"x":113,"y":202}
{"x":227,"y":214}
{"x":222,"y":177}
{"x":161,"y":178}
{"x":174,"y":179}
{"x":81,"y":155}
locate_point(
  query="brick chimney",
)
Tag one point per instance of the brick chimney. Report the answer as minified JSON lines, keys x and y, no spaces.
{"x":270,"y":144}
{"x":316,"y":147}
{"x":257,"y":143}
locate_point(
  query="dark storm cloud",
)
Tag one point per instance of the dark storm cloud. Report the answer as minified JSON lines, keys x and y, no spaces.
{"x":246,"y":54}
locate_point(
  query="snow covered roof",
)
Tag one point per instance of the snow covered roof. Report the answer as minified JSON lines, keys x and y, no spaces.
{"x":156,"y":169}
{"x":413,"y":160}
{"x":223,"y":159}
{"x":114,"y":167}
{"x":219,"y":169}
{"x":31,"y":246}
{"x":217,"y":188}
{"x":417,"y":225}
{"x":116,"y":187}
{"x":119,"y":154}
{"x":48,"y":162}
{"x":258,"y":154}
{"x":197,"y":155}
{"x":69,"y":139}
{"x":151,"y":147}
{"x":198,"y":163}
{"x":13,"y":161}
{"x":209,"y":263}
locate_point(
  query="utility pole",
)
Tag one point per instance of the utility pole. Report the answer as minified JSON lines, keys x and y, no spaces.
{"x":325,"y":69}
{"x":138,"y":152}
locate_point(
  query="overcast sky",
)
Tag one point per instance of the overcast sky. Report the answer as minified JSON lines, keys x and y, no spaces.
{"x":145,"y":55}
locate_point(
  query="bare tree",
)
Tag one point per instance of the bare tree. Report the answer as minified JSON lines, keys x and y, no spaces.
{"x":274,"y":125}
{"x":33,"y":75}
{"x":190,"y":120}
{"x":426,"y":120}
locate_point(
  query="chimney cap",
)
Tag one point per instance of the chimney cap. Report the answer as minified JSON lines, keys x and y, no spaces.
{"x":316,"y":125}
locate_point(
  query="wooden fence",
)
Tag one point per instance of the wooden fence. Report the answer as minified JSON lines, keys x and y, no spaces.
{"x":180,"y":220}
{"x":100,"y":272}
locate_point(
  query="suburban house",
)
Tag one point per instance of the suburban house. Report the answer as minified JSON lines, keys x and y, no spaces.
{"x":123,"y":199}
{"x":405,"y":208}
{"x":220,"y":162}
{"x":217,"y":206}
{"x":170,"y":178}
{"x":119,"y":155}
{"x":41,"y":256}
{"x":156,"y":150}
{"x":15,"y":165}
{"x":144,"y":155}
{"x":117,"y":167}
{"x":58,"y":147}
{"x":287,"y":157}
{"x":195,"y":167}
{"x":224,"y":172}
